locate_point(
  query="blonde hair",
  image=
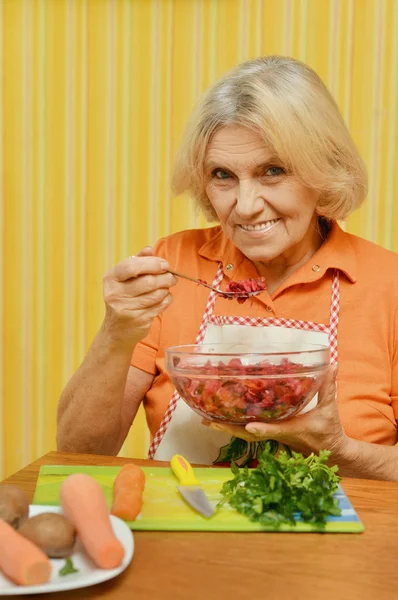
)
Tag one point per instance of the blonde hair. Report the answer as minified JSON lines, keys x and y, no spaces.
{"x":288,"y":104}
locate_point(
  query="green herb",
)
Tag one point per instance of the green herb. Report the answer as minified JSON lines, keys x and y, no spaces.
{"x":68,"y":568}
{"x":283,"y":488}
{"x":242,"y":452}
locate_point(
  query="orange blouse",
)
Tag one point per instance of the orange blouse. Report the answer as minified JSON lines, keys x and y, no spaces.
{"x":367,"y":331}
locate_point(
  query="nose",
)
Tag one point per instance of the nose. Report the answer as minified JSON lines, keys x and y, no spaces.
{"x":249,"y":200}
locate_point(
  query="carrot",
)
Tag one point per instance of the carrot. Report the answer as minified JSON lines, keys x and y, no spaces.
{"x":128,"y":488}
{"x":20,"y":560}
{"x":83,"y":503}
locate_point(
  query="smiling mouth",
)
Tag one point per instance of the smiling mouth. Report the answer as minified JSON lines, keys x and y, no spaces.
{"x":260,"y":227}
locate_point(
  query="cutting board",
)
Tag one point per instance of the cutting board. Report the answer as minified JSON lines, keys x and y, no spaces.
{"x":165,"y":510}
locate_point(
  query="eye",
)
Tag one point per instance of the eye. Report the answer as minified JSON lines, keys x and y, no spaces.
{"x":220,"y":174}
{"x":274,"y":171}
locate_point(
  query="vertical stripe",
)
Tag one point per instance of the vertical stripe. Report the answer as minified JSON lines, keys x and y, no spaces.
{"x":243,"y":27}
{"x":54,"y":293}
{"x":213,"y":69}
{"x":287,"y":34}
{"x":169,"y":103}
{"x":83,"y":179}
{"x":258,"y":27}
{"x":2,"y":222}
{"x":197,"y":70}
{"x":26,"y":220}
{"x":153,"y":158}
{"x":303,"y":30}
{"x":195,"y":84}
{"x":40,"y":232}
{"x":349,"y":61}
{"x":125,"y":141}
{"x":139,"y":124}
{"x":109,"y":148}
{"x":334,"y":54}
{"x":349,"y":57}
{"x":392,"y":142}
{"x":69,"y":204}
{"x":373,"y":217}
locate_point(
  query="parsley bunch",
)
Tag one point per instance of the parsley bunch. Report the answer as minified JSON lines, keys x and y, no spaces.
{"x":283,"y":488}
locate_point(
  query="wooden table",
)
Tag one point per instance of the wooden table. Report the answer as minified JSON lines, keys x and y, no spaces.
{"x":282,"y":566}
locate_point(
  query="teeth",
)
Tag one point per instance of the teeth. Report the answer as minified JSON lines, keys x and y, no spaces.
{"x":260,"y":226}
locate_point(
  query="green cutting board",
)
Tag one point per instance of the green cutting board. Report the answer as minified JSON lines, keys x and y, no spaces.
{"x":165,"y":509}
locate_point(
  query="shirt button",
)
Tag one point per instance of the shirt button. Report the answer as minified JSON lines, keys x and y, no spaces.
{"x":316,"y":268}
{"x":229,"y":267}
{"x":269,"y":308}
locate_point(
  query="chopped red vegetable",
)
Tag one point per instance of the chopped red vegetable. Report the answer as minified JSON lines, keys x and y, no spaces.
{"x":238,"y":393}
{"x":242,"y":290}
{"x":245,"y":287}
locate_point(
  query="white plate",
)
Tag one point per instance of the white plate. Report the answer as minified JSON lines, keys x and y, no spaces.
{"x":88,"y":573}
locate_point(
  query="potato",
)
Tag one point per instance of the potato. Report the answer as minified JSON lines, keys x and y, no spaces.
{"x":52,"y":532}
{"x":14,"y":505}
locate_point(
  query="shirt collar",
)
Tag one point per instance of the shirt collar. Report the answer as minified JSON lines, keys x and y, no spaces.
{"x":337,"y":252}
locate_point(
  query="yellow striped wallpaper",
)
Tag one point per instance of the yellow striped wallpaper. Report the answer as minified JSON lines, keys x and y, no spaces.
{"x":93,"y":98}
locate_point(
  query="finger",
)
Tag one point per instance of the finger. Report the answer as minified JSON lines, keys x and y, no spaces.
{"x":156,"y":309}
{"x":135,"y":301}
{"x":150,"y":310}
{"x":238,"y":431}
{"x":264,"y":431}
{"x":138,"y":265}
{"x":144,"y":301}
{"x":252,"y":432}
{"x":328,"y":390}
{"x":146,"y":284}
{"x":147,"y":251}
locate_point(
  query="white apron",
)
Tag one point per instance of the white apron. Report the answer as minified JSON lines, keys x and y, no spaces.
{"x":181,"y":430}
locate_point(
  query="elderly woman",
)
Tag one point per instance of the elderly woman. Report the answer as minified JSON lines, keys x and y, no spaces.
{"x":266,"y":154}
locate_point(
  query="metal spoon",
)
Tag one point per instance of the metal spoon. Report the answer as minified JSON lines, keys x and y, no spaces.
{"x":217,"y":290}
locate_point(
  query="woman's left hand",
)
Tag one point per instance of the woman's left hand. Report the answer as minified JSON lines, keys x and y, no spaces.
{"x":318,"y":429}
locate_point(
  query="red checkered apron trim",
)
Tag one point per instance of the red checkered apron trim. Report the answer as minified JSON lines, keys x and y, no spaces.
{"x":263,"y":322}
{"x":199,"y":339}
{"x":208,"y":317}
{"x":334,"y":318}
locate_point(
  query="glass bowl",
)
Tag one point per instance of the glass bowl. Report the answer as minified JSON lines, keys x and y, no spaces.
{"x":236,"y":384}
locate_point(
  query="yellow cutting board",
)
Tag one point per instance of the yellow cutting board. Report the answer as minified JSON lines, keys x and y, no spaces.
{"x":164,"y":508}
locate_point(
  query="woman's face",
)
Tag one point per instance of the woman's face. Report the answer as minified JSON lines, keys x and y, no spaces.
{"x":265,"y":211}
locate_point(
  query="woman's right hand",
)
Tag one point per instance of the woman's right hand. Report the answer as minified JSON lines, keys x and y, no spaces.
{"x":135,"y":292}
